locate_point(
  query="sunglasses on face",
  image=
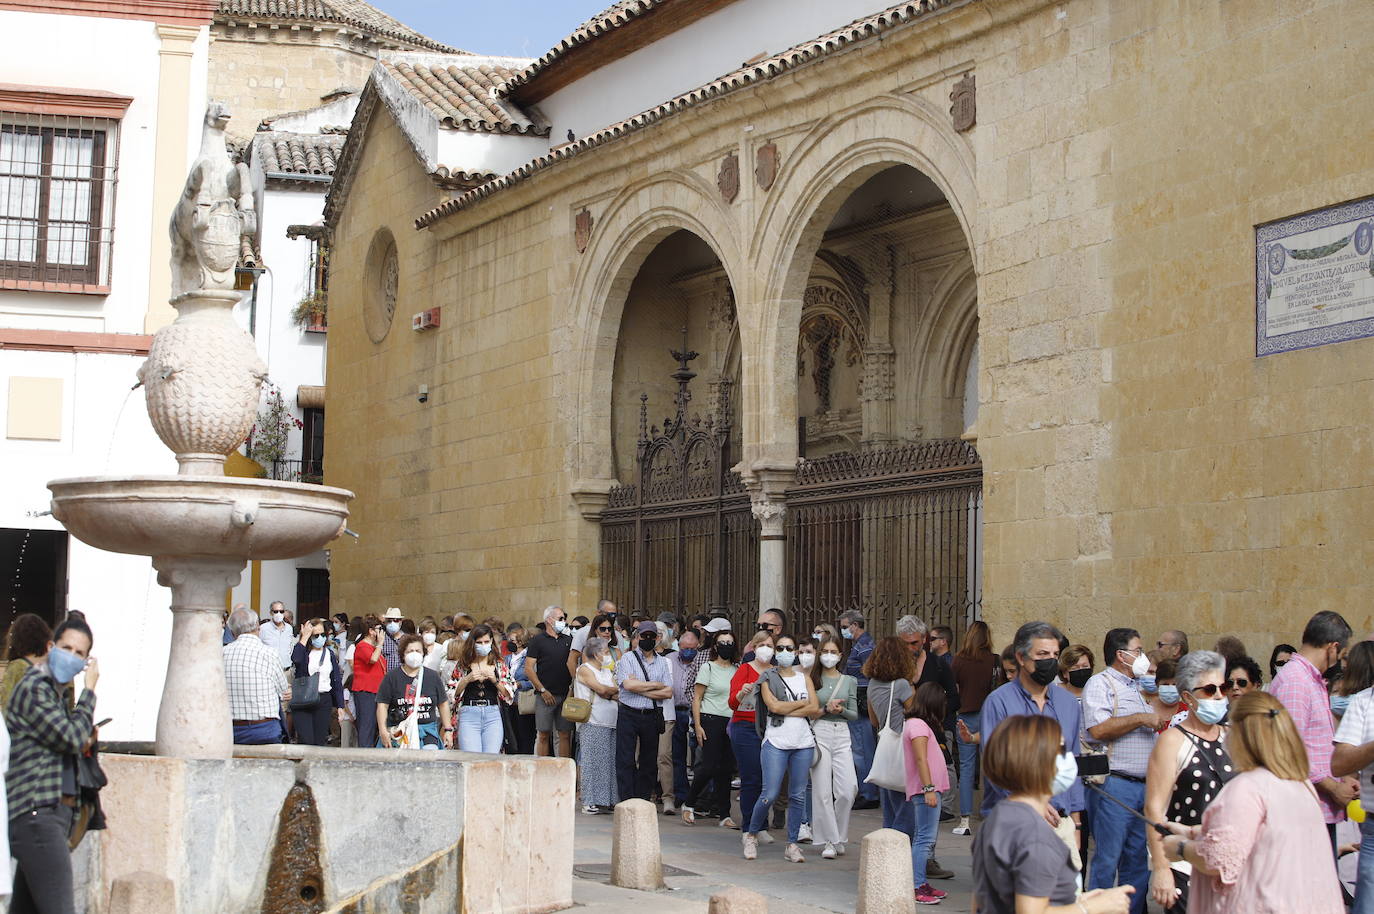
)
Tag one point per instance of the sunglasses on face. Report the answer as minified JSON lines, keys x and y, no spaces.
{"x":1237,"y":684}
{"x":1211,"y":690}
{"x":604,"y":628}
{"x":1280,"y":663}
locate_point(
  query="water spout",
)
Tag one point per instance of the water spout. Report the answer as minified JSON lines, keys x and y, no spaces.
{"x":355,"y":536}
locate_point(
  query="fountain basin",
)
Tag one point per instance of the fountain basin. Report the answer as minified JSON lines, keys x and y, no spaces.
{"x":200,"y":515}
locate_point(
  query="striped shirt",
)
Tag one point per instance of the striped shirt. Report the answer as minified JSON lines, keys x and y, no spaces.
{"x":1302,"y":690}
{"x":629,"y":668}
{"x":45,"y":732}
{"x":1113,"y":694}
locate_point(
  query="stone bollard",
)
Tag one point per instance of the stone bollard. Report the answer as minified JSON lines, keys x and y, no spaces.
{"x":885,"y":885}
{"x":636,"y":859}
{"x":736,"y":900}
{"x":142,"y":893}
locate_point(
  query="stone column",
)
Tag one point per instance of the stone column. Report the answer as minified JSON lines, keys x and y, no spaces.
{"x":766,"y":494}
{"x":876,"y":396}
{"x":193,"y":721}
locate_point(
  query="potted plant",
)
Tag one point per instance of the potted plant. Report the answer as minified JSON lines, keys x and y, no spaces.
{"x":310,"y":313}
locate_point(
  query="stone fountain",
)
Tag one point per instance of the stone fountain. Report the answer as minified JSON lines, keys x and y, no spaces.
{"x":203,"y":825}
{"x":203,"y":378}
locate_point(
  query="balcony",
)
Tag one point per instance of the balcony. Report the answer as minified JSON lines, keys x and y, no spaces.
{"x":311,"y":471}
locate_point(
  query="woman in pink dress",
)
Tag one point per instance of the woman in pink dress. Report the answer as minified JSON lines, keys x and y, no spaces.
{"x":1262,"y":847}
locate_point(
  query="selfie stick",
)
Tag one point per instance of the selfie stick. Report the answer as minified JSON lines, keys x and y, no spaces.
{"x":1162,"y":829}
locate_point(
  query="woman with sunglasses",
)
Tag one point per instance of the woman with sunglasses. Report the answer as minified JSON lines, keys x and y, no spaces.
{"x":1242,"y":677}
{"x":1280,"y":656}
{"x":1262,"y":844}
{"x":1187,"y":769}
{"x":711,"y":722}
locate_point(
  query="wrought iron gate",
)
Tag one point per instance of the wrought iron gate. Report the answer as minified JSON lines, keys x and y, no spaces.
{"x":682,"y":537}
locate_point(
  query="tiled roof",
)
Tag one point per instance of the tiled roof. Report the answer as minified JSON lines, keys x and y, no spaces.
{"x":298,"y":154}
{"x":609,"y":19}
{"x":362,"y":16}
{"x":753,"y":74}
{"x":463,"y":93}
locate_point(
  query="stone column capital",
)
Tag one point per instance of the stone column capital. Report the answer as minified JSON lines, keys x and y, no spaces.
{"x":198,"y":583}
{"x":591,"y":496}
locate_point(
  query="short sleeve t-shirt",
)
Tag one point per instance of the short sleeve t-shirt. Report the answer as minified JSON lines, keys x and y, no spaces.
{"x":579,"y":638}
{"x":881,"y":693}
{"x":935,"y":758}
{"x":790,"y":732}
{"x":716,"y":678}
{"x":1017,"y":853}
{"x":398,"y":694}
{"x":1357,"y":728}
{"x":550,"y":656}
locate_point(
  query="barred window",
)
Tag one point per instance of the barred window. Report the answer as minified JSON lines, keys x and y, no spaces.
{"x":57,"y":183}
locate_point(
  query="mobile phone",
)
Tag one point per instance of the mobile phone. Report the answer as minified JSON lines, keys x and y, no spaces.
{"x":105,"y":721}
{"x":1093,"y":766}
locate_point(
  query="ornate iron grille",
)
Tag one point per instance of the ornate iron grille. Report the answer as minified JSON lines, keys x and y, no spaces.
{"x":888,"y":532}
{"x":682,"y":537}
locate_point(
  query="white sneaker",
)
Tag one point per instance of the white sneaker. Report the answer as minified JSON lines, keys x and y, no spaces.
{"x":829,"y":852}
{"x":751,"y":847}
{"x":839,"y":848}
{"x":764,"y":837}
{"x":963,"y":827}
{"x":590,"y":811}
{"x":793,"y":854}
{"x":804,"y":834}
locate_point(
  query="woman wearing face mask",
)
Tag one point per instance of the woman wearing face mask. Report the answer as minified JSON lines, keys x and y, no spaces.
{"x":1019,"y":863}
{"x":399,"y":695}
{"x":975,"y":671}
{"x":46,"y":735}
{"x":595,"y":682}
{"x":744,"y":738}
{"x":314,"y":656}
{"x":711,"y":721}
{"x":1165,"y":700}
{"x":833,"y":781}
{"x":1357,"y":676}
{"x":823,"y":632}
{"x":481,"y":684}
{"x":1075,"y":669}
{"x":1187,"y":770}
{"x":369,"y":668}
{"x":786,"y":702}
{"x":434,"y":651}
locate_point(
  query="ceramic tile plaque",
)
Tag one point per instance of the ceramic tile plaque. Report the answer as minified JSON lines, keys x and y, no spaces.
{"x":1314,"y":278}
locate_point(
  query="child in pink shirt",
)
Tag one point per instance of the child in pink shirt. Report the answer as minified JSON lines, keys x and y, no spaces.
{"x":925,"y":767}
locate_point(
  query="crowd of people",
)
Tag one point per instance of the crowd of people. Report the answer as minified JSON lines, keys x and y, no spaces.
{"x":1165,"y":774}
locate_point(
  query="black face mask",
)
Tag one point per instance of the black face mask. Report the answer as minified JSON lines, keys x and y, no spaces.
{"x":1045,"y":671}
{"x":726,"y":650}
{"x":647,"y":643}
{"x":1079,"y":678}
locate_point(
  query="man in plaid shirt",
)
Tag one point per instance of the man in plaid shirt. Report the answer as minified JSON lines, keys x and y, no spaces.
{"x":46,"y":736}
{"x":256,"y":683}
{"x":1301,"y":687}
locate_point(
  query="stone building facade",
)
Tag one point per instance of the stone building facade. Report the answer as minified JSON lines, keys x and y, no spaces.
{"x":1141,"y":465}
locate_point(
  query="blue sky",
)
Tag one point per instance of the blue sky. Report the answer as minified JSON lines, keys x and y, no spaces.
{"x":512,"y":28}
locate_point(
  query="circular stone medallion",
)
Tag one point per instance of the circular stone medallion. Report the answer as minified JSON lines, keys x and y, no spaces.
{"x":383,"y":276}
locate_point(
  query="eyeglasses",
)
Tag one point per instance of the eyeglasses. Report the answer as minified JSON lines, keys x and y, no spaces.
{"x":1134,"y":651}
{"x":604,"y":628}
{"x":1280,"y":662}
{"x":1211,"y":689}
{"x":1163,"y":644}
{"x":1237,"y":684}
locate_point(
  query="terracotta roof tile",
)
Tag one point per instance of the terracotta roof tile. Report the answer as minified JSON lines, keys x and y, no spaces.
{"x":462,"y":93}
{"x":298,"y":154}
{"x":753,"y":74}
{"x":355,"y":13}
{"x":609,"y":19}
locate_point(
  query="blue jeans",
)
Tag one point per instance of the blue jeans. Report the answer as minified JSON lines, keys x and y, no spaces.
{"x":927,"y":820}
{"x":263,"y":734}
{"x":862,"y":742}
{"x":1121,"y":857}
{"x":796,"y":764}
{"x":746,"y":744}
{"x":480,"y":728}
{"x":898,"y":812}
{"x":1364,"y":884}
{"x":968,"y":763}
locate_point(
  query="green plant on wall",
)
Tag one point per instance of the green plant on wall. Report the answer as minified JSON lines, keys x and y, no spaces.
{"x":271,"y":435}
{"x":311,"y":311}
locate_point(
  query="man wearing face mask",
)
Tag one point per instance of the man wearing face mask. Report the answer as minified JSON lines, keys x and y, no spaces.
{"x":46,"y":735}
{"x":391,"y":633}
{"x":277,"y":634}
{"x":1301,"y":688}
{"x":546,"y":667}
{"x":1036,"y":690}
{"x":1118,"y":715}
{"x":862,"y":737}
{"x":683,"y":664}
{"x":643,"y":677}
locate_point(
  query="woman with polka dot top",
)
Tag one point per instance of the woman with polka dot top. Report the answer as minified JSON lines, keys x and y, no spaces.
{"x":1187,"y":769}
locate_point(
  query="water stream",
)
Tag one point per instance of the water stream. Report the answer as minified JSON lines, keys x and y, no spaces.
{"x":114,"y":432}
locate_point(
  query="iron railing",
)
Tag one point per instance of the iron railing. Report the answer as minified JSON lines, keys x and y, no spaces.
{"x":298,"y":471}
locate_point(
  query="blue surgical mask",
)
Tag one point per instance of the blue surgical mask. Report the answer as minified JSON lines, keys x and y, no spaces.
{"x":1168,"y":694}
{"x":393,"y":627}
{"x":1148,"y":684}
{"x":624,"y":644}
{"x":1339,"y":703}
{"x":785,"y":657}
{"x":482,"y":649}
{"x":1211,"y":710}
{"x":317,"y":641}
{"x":846,"y":634}
{"x":64,"y":665}
{"x":1065,"y":773}
{"x":688,"y":654}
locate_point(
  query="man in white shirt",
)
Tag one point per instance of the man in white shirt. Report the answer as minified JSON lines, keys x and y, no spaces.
{"x":278,"y":635}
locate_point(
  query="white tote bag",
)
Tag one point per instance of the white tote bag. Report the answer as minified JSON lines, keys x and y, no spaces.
{"x":889,"y":761}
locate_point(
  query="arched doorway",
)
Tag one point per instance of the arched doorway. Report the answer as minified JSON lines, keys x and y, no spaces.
{"x":677,"y":533}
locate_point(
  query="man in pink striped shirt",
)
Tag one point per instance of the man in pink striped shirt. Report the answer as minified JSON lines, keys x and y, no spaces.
{"x":1302,"y":689}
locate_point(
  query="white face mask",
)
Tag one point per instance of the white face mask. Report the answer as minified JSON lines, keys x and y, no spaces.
{"x":1065,"y":773}
{"x":482,"y":649}
{"x":277,"y":617}
{"x":462,"y":636}
{"x":560,"y":626}
{"x":427,"y":638}
{"x":763,"y":653}
{"x":414,"y":659}
{"x":608,"y":662}
{"x":1140,"y":666}
{"x":830,"y":660}
{"x":806,"y":661}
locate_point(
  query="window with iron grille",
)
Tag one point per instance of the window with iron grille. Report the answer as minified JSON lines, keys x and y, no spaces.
{"x":57,"y":190}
